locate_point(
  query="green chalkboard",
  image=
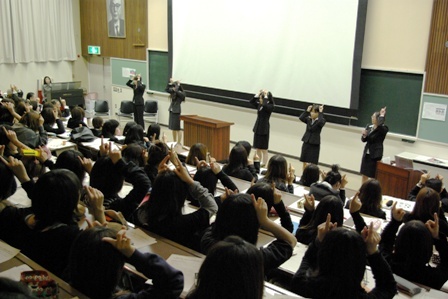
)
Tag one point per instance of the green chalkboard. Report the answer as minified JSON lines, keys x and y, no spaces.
{"x":120,"y":70}
{"x":400,"y":92}
{"x":158,"y":70}
{"x":430,"y":129}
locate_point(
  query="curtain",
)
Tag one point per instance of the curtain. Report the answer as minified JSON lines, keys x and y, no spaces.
{"x":42,"y":30}
{"x":6,"y":49}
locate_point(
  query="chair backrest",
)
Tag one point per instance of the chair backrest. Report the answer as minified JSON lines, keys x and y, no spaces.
{"x":151,"y":106}
{"x":126,"y":107}
{"x":101,"y":106}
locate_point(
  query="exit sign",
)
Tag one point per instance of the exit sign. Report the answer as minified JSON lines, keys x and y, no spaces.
{"x":95,"y":50}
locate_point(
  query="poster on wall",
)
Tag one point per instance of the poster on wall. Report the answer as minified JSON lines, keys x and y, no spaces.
{"x":116,"y":18}
{"x":434,"y":111}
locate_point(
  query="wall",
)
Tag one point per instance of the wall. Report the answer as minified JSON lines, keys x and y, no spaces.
{"x":396,"y":38}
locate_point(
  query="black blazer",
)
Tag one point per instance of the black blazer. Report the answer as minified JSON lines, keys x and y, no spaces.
{"x":374,"y":139}
{"x":264,"y":111}
{"x":177,"y":96}
{"x":139,"y":90}
{"x":312,"y":133}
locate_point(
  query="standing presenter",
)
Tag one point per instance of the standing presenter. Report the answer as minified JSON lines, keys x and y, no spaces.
{"x":139,"y":89}
{"x":373,"y":135}
{"x":314,"y":119}
{"x":177,"y":96}
{"x":264,"y":103}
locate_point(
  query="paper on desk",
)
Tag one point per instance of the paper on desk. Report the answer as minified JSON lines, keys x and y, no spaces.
{"x":189,"y":265}
{"x":139,"y":238}
{"x":14,"y":272}
{"x":7,"y":252}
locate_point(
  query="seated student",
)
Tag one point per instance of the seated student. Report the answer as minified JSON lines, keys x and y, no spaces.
{"x":46,"y":235}
{"x":97,"y":123}
{"x":237,"y":166}
{"x":77,"y":119}
{"x":30,"y":130}
{"x":310,"y":175}
{"x":61,"y":107}
{"x":371,"y":196}
{"x":252,"y":165}
{"x":308,"y":227}
{"x":8,"y":185}
{"x":335,"y":262}
{"x":96,"y":263}
{"x":8,"y":139}
{"x":135,"y":153}
{"x":50,"y":118}
{"x":333,"y":184}
{"x":427,"y":203}
{"x":279,"y":174}
{"x":409,"y":253}
{"x":153,"y":132}
{"x":156,"y":153}
{"x":434,"y":183}
{"x":197,"y":150}
{"x":208,"y":177}
{"x":162,"y":214}
{"x":242,"y":215}
{"x":273,"y":198}
{"x":111,"y":128}
{"x":135,"y":135}
{"x":108,"y":175}
{"x":7,"y":113}
{"x":233,"y":268}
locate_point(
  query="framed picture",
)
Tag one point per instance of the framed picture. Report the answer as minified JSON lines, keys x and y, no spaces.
{"x":116,"y":24}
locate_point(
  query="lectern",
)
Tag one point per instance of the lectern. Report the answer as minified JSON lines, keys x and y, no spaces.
{"x":396,"y":181}
{"x":215,"y":134}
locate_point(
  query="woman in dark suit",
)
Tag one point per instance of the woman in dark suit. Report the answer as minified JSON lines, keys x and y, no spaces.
{"x":374,"y":136}
{"x":177,"y":96}
{"x":264,"y":103}
{"x":314,"y":119}
{"x":139,"y":89}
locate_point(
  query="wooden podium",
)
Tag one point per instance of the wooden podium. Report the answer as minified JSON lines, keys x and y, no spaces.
{"x":396,"y":181}
{"x":215,"y":134}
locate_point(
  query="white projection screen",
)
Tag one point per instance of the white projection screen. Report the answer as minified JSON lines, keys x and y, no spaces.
{"x":301,"y":50}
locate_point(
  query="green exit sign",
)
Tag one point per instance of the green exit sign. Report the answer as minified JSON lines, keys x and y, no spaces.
{"x":95,"y":50}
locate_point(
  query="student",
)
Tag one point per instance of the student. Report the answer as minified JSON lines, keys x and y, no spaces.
{"x":314,"y":119}
{"x":370,"y":195}
{"x":139,"y":90}
{"x":177,"y":96}
{"x":156,"y":153}
{"x":409,"y":253}
{"x":252,"y":165}
{"x":30,"y":130}
{"x":111,"y":128}
{"x":12,"y":145}
{"x":108,"y":175}
{"x":242,"y":215}
{"x":333,"y":184}
{"x":233,"y":268}
{"x":47,"y":233}
{"x":237,"y":166}
{"x":50,"y":118}
{"x":427,"y":203}
{"x":434,"y":183}
{"x":310,"y":175}
{"x":97,"y":123}
{"x":153,"y":129}
{"x":77,"y":119}
{"x":273,"y":199}
{"x":135,"y":135}
{"x":96,"y":263}
{"x":279,"y":174}
{"x":60,"y":107}
{"x":313,"y":217}
{"x":162,"y":214}
{"x":373,"y":136}
{"x":265,"y":104}
{"x":197,"y":150}
{"x":335,"y":263}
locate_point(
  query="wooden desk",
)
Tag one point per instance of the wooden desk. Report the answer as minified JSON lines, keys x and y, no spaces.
{"x":395,"y":181}
{"x":215,"y":134}
{"x":65,"y":290}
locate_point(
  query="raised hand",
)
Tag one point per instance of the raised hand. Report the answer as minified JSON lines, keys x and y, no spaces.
{"x":321,"y":108}
{"x":309,"y":203}
{"x":86,"y":163}
{"x":17,"y":168}
{"x":355,"y":204}
{"x":277,"y":194}
{"x":397,"y":213}
{"x":372,"y":239}
{"x":261,"y":208}
{"x":433,"y":226}
{"x":121,"y":243}
{"x":324,"y":228}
